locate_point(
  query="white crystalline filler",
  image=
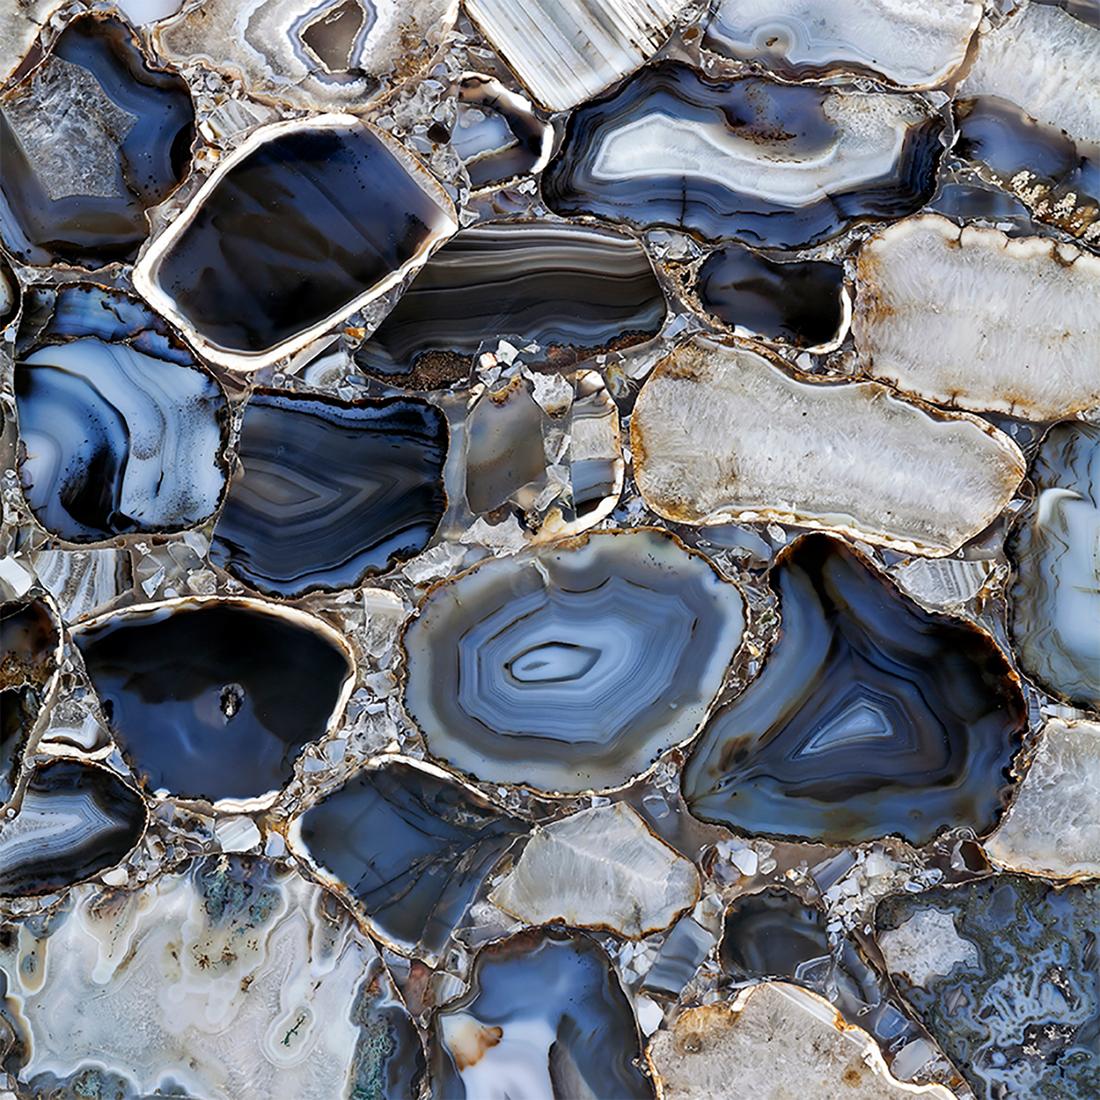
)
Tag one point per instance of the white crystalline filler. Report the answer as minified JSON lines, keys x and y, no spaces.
{"x":926,"y":946}
{"x":913,"y":43}
{"x":1046,"y":62}
{"x":600,"y":868}
{"x":723,"y":434}
{"x":775,"y":1042}
{"x":973,"y":318}
{"x":1053,"y":827}
{"x":566,"y":51}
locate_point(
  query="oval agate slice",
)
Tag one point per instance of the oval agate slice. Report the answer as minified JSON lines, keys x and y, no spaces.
{"x":574,"y":666}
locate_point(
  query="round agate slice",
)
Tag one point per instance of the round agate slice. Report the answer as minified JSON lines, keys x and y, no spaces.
{"x":573,"y":667}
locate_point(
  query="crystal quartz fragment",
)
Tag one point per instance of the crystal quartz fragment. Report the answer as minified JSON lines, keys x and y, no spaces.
{"x":871,"y":717}
{"x":775,"y":1041}
{"x":546,"y":1019}
{"x":566,"y":51}
{"x":235,"y":682}
{"x":292,"y":233}
{"x":1053,"y":827}
{"x":10,"y":294}
{"x":72,"y":821}
{"x":231,"y":978}
{"x":803,"y":303}
{"x":1054,"y":598}
{"x":680,"y":956}
{"x":723,"y":434}
{"x":1002,"y":972}
{"x":92,"y":137}
{"x":572,"y":666}
{"x":411,"y":844}
{"x":330,"y":491}
{"x":910,"y":43}
{"x":317,"y":56}
{"x":497,"y":134}
{"x":973,"y":318}
{"x":123,"y":430}
{"x":601,"y":868}
{"x":572,"y":289}
{"x":776,"y":165}
{"x":81,"y":581}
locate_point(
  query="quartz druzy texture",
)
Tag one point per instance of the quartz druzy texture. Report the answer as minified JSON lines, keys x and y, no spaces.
{"x":772,"y":164}
{"x":871,"y":717}
{"x":574,"y":666}
{"x":1002,"y":972}
{"x":329,"y":491}
{"x":545,"y":1019}
{"x":91,"y":138}
{"x":123,"y":431}
{"x":412,"y":846}
{"x":233,"y":680}
{"x":306,"y":222}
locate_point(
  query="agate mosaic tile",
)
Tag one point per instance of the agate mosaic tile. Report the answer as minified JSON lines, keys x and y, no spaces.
{"x":549,"y":549}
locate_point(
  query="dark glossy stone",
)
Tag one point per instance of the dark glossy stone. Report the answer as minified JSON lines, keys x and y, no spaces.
{"x":771,"y":164}
{"x":1008,"y":986}
{"x":796,"y":303}
{"x":871,"y":717}
{"x":305,"y":223}
{"x":330,"y":491}
{"x":411,"y":846}
{"x":91,"y":138}
{"x":573,"y":289}
{"x":215,"y":698}
{"x":545,"y":1017}
{"x":73,"y":820}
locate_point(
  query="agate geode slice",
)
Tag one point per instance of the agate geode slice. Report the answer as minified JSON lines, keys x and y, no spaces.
{"x":1054,"y":599}
{"x":91,"y":138}
{"x":329,"y":491}
{"x":291,"y":234}
{"x":545,"y":1019}
{"x":215,"y":698}
{"x":122,"y":431}
{"x":871,"y":717}
{"x":776,"y":165}
{"x":573,"y":666}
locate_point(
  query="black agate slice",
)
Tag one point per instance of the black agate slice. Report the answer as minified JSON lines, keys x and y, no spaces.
{"x":91,"y":138}
{"x":330,"y":491}
{"x":305,"y":223}
{"x":215,"y":698}
{"x":871,"y":717}
{"x":122,"y":431}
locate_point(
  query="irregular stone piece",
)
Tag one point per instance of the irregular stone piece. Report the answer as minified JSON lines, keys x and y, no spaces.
{"x":600,"y":868}
{"x":545,"y":1019}
{"x":725,"y":434}
{"x":231,"y":978}
{"x":92,"y":137}
{"x":680,"y":956}
{"x":123,"y":431}
{"x":330,"y":491}
{"x":1016,"y":1006}
{"x":800,"y":303}
{"x":411,"y":845}
{"x":871,"y":717}
{"x":573,"y":289}
{"x":911,"y":43}
{"x":572,"y":666}
{"x":566,"y":51}
{"x":776,"y":165}
{"x":316,"y":56}
{"x":1053,"y":827}
{"x":292,"y":233}
{"x":973,"y":318}
{"x":20,"y":26}
{"x":1054,"y":598}
{"x":72,"y":821}
{"x":235,"y":681}
{"x":775,"y":1041}
{"x":11,"y":294}
{"x":82,"y":581}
